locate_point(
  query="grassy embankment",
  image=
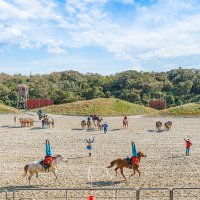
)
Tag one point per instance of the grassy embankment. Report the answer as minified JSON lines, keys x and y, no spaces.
{"x":8,"y":110}
{"x":100,"y":106}
{"x":187,"y":110}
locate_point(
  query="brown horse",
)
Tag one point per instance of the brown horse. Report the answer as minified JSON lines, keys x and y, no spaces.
{"x":158,"y":125}
{"x":121,"y":163}
{"x":125,"y":124}
{"x":100,"y":126}
{"x":26,"y":122}
{"x":83,"y":124}
{"x":89,"y":125}
{"x":168,"y":125}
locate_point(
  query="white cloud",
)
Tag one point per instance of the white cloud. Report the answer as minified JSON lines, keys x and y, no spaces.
{"x":165,"y":29}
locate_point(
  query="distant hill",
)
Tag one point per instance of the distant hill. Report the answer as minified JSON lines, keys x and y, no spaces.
{"x":100,"y":106}
{"x":8,"y":110}
{"x":191,"y":109}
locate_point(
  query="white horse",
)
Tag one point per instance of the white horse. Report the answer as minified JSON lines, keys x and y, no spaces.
{"x":49,"y":122}
{"x":35,"y":168}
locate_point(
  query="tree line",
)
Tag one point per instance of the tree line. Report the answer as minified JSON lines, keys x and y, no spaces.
{"x":177,"y":86}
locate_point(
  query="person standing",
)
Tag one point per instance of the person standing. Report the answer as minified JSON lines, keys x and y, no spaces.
{"x":43,"y":123}
{"x":105,"y":127}
{"x":15,"y":120}
{"x":188,"y":145}
{"x":89,"y":145}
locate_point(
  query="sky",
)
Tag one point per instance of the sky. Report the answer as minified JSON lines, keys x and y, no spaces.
{"x":98,"y":36}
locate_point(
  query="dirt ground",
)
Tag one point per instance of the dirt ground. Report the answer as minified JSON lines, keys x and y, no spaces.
{"x":165,"y":165}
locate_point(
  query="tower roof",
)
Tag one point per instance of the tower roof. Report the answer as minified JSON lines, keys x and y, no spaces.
{"x":22,"y":85}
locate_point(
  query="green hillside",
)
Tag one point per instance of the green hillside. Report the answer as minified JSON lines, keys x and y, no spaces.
{"x":191,"y":109}
{"x":100,"y":106}
{"x":8,"y":110}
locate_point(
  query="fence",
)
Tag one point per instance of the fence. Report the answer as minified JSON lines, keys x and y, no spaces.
{"x":107,"y":193}
{"x":3,"y":194}
{"x":160,"y":105}
{"x":38,"y":103}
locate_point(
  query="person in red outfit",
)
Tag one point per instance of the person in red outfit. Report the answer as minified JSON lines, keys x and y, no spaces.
{"x":188,"y":145}
{"x":48,"y":160}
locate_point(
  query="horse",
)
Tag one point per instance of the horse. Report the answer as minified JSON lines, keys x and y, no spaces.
{"x":26,"y":122}
{"x":95,"y":118}
{"x":49,"y":122}
{"x":36,"y":167}
{"x":158,"y":125}
{"x":89,"y":125}
{"x":121,"y":163}
{"x":100,"y":126}
{"x":83,"y":124}
{"x":125,"y":124}
{"x":168,"y":125}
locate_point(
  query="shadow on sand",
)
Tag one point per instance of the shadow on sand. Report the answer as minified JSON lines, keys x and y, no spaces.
{"x":178,"y":156}
{"x":36,"y":128}
{"x":156,"y":131}
{"x":91,"y":130}
{"x":77,"y":129}
{"x":78,"y":157}
{"x":12,"y":127}
{"x":11,"y":188}
{"x":104,"y":183}
{"x":116,"y":129}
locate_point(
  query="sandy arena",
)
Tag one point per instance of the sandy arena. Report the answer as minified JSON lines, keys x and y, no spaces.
{"x":165,"y":165}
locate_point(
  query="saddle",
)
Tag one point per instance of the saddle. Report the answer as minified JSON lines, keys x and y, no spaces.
{"x":132,"y":161}
{"x":46,"y":166}
{"x":46,"y":163}
{"x":129,"y":162}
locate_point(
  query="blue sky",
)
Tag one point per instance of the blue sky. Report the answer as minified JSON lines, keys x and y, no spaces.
{"x":104,"y":36}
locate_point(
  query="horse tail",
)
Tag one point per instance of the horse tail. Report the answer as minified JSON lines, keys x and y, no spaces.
{"x":112,"y":164}
{"x":25,"y":170}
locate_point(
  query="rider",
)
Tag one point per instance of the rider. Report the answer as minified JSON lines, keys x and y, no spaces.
{"x":125,"y":118}
{"x":134,"y":158}
{"x":89,"y":119}
{"x":48,"y":160}
{"x":89,"y":145}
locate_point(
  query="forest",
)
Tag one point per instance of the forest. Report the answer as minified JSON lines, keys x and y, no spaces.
{"x":177,"y":86}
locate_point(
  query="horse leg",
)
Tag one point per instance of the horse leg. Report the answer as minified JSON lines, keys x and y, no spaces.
{"x":116,"y":170}
{"x":121,"y":170}
{"x":37,"y":176}
{"x":29,"y":178}
{"x":133,"y":172}
{"x":138,"y":171}
{"x":134,"y":169}
{"x":55,"y":174}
